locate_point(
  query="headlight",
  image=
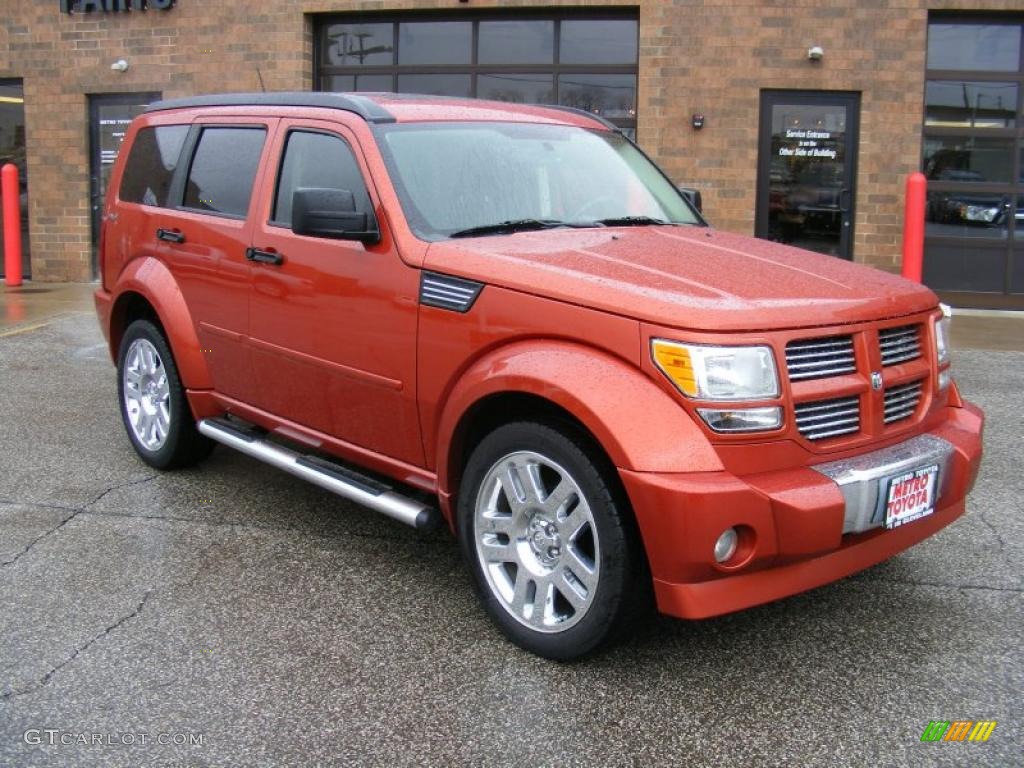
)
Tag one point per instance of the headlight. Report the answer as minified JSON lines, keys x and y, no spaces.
{"x":980,"y":213}
{"x":942,"y":336}
{"x":717,"y":373}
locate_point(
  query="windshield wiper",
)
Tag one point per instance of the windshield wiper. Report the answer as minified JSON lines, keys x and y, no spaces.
{"x":517,"y":225}
{"x":632,"y":221}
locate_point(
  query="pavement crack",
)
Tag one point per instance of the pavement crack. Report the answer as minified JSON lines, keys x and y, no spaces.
{"x":45,"y":679}
{"x":75,"y":512}
{"x":118,"y":487}
{"x":995,"y":531}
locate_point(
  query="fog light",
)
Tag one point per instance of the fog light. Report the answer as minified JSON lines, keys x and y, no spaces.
{"x":725,"y":547}
{"x":742,"y":419}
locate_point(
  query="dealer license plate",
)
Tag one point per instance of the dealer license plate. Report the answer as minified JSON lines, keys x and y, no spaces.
{"x":911,"y":496}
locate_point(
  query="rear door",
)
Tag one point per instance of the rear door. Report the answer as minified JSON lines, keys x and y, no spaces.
{"x":206,"y":246}
{"x":333,"y":322}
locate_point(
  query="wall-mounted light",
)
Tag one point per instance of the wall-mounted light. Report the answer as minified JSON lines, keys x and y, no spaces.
{"x":697,"y":121}
{"x":815,"y":53}
{"x":120,"y":66}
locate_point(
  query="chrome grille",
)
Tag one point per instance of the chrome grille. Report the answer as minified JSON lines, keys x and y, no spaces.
{"x":818,"y":358}
{"x":900,"y":344}
{"x":901,"y":401}
{"x":828,"y":418}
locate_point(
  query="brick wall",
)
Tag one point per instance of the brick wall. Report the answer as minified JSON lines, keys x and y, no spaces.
{"x":710,"y":56}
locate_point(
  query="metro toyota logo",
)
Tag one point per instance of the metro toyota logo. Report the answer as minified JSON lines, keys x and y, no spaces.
{"x":876,"y":380}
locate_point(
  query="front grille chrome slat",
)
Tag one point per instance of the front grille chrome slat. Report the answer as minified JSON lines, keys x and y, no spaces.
{"x":831,"y":357}
{"x":901,"y":401}
{"x":898,"y":345}
{"x":821,"y":419}
{"x":820,"y":358}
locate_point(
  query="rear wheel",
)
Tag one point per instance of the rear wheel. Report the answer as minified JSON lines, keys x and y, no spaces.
{"x":547,"y":539}
{"x":154,"y":408}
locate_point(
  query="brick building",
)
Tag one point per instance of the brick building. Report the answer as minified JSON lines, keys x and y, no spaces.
{"x":813,"y":112}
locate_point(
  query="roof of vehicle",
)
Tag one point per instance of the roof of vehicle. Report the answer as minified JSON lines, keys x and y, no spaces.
{"x":394,"y":107}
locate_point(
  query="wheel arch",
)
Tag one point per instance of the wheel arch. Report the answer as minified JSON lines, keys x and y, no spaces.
{"x":627,"y":417}
{"x":146,"y":289}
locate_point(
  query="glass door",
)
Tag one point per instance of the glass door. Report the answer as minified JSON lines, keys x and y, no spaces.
{"x":109,"y":117}
{"x":807,"y":169}
{"x":12,"y":150}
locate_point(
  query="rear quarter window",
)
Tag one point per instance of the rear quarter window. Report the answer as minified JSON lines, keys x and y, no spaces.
{"x":223,"y":170}
{"x":150,"y":166}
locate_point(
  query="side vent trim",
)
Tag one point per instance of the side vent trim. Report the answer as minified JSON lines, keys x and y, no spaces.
{"x":446,"y":292}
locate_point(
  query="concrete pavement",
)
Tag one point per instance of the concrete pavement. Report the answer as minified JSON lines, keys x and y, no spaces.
{"x":278,"y":625}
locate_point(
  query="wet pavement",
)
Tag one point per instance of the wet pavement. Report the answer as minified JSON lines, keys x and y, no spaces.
{"x":238,"y":607}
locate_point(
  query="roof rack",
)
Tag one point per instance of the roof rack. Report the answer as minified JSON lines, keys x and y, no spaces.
{"x":367,"y":109}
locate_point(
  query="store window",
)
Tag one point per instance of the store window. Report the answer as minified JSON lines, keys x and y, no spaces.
{"x":587,"y":62}
{"x":12,"y":150}
{"x":973,"y":156}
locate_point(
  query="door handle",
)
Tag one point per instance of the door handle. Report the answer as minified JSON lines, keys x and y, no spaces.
{"x":269,"y":256}
{"x":170,"y":235}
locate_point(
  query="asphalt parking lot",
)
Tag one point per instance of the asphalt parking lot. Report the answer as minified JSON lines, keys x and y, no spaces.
{"x":238,"y":607}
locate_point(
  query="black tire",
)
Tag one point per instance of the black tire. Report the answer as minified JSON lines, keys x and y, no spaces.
{"x":182,"y":445}
{"x":620,"y":587}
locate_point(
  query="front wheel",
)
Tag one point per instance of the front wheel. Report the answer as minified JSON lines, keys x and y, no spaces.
{"x":548,"y":539}
{"x":154,"y":408}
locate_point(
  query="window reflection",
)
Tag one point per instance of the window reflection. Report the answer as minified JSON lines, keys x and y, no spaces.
{"x":970,"y":105}
{"x":607,"y":95}
{"x":435,"y":42}
{"x":968,"y":214}
{"x":991,"y":47}
{"x":517,"y":42}
{"x":519,"y":89}
{"x":515,"y":60}
{"x":374,"y":83}
{"x":968,"y":159}
{"x":359,"y":44}
{"x":436,"y":85}
{"x":611,"y":41}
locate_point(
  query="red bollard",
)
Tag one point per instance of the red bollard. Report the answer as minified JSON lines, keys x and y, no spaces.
{"x":913,"y":227}
{"x":10,"y":192}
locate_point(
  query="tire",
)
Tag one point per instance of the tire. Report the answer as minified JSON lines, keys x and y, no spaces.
{"x":154,"y":409}
{"x":549,"y":539}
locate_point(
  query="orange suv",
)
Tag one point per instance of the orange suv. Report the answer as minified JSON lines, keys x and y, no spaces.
{"x":507,"y":319}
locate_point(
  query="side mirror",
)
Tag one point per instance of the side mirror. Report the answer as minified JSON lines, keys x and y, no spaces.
{"x":331,"y":213}
{"x":693,"y":195}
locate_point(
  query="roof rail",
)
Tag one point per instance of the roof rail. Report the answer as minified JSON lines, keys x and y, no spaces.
{"x":367,"y":109}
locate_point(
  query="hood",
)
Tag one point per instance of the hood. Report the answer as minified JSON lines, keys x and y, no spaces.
{"x":685,"y":277}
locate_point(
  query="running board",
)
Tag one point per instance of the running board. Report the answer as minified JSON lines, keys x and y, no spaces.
{"x":327,"y":474}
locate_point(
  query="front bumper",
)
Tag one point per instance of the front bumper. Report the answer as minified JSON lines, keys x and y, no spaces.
{"x":800,"y":528}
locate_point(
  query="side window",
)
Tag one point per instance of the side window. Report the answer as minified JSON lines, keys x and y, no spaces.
{"x":317,"y":160}
{"x":151,"y":163}
{"x":223,"y":170}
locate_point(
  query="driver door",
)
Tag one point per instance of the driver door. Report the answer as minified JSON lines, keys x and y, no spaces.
{"x":333,"y":322}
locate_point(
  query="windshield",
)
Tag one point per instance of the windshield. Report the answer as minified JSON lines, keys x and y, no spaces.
{"x":455,"y":178}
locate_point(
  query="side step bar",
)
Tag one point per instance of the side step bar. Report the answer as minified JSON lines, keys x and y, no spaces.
{"x":330,"y":476}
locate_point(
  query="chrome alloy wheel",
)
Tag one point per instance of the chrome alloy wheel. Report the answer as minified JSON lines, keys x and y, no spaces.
{"x":536,"y":541}
{"x":147,"y":394}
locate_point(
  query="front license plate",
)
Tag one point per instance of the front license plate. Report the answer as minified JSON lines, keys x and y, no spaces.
{"x":911,"y":496}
